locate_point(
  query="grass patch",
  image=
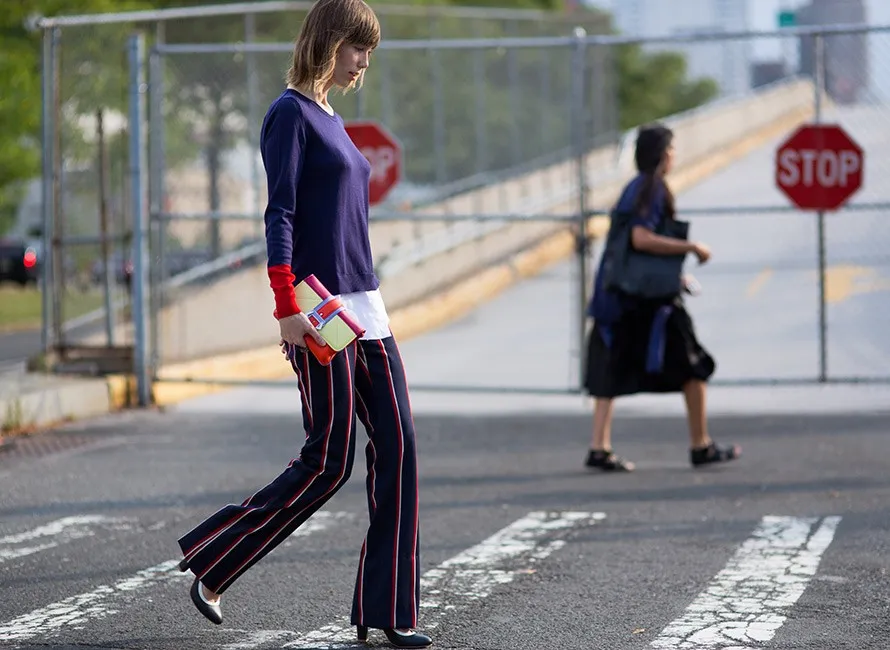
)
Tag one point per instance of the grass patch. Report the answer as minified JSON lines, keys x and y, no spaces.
{"x":21,"y":308}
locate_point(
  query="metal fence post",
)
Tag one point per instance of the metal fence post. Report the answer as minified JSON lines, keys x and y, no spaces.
{"x":479,"y":90}
{"x":440,"y":140}
{"x":156,"y":224}
{"x":513,"y":91}
{"x":102,"y":164}
{"x":136,"y":56}
{"x":253,"y":117}
{"x":579,"y":139}
{"x":57,"y":231}
{"x":50,"y":90}
{"x":819,"y":85}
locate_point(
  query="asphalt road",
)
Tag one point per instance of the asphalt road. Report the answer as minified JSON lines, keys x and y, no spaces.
{"x":89,"y":517}
{"x":764,"y":269}
{"x":18,"y":345}
{"x":758,"y":313}
{"x":521,"y":548}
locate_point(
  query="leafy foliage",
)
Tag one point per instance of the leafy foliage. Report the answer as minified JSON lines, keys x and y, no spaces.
{"x":521,"y":95}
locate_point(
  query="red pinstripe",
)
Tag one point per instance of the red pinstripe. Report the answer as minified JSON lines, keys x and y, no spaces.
{"x":371,"y":471}
{"x":416,"y":500}
{"x":361,"y":581}
{"x":196,"y":548}
{"x":395,"y":550}
{"x":301,"y":492}
{"x":364,"y":361}
{"x":360,"y":359}
{"x":306,"y":396}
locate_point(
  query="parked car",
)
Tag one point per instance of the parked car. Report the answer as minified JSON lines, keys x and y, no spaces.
{"x":121,"y":270}
{"x":19,"y":261}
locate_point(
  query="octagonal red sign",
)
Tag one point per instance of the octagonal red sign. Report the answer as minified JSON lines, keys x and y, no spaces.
{"x":383,"y":152}
{"x":819,"y":167}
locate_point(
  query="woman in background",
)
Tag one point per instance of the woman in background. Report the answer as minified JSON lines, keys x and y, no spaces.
{"x":627,"y":329}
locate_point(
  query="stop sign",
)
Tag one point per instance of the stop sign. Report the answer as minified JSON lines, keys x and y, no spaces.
{"x":819,"y":167}
{"x":384,"y":153}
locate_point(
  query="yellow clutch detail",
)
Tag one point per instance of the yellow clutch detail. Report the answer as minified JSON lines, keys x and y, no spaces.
{"x":336,"y":325}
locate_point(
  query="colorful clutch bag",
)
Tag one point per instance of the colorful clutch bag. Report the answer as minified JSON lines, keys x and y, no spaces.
{"x":328,"y":315}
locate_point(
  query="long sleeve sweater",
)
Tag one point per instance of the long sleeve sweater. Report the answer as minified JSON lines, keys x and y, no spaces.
{"x":317,"y":214}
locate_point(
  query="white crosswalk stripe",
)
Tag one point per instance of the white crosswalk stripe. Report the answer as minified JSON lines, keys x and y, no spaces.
{"x":99,"y":602}
{"x":56,"y":533}
{"x":742,"y":607}
{"x":748,"y":601}
{"x":466,"y":578}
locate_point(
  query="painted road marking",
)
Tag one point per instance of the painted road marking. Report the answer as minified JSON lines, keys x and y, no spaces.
{"x":842,"y":281}
{"x":749,"y":600}
{"x":845,"y":281}
{"x":78,"y":610}
{"x":759,"y":282}
{"x":468,"y":577}
{"x":56,"y":533}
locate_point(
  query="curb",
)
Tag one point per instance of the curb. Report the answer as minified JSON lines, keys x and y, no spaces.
{"x":266,"y":363}
{"x":62,"y":400}
{"x":176,"y":384}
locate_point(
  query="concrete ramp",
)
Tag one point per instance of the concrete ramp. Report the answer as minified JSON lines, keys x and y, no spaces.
{"x":758,"y":313}
{"x":197,"y":332}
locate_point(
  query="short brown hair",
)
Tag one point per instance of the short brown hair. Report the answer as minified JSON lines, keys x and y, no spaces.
{"x":328,"y":25}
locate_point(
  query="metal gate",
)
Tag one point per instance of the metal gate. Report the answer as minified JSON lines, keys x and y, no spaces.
{"x":499,"y":135}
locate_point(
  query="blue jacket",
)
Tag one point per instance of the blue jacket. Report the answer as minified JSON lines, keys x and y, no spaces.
{"x":607,"y":307}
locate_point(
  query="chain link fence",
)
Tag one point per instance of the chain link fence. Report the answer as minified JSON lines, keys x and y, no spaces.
{"x":515,"y":134}
{"x":218,"y":101}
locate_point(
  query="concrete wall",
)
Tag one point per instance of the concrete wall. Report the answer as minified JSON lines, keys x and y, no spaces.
{"x":235,"y":314}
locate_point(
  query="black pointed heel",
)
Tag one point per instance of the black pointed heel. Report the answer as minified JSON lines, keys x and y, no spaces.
{"x":411,"y":639}
{"x":211,"y":611}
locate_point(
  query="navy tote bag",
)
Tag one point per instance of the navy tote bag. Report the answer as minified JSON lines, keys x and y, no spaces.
{"x":639,"y":274}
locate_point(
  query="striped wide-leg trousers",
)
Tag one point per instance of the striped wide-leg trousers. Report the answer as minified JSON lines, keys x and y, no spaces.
{"x":366,"y":380}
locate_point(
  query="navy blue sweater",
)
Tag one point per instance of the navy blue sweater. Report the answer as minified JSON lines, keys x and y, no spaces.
{"x":317,"y":215}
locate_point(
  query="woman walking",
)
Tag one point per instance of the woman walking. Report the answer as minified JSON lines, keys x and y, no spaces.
{"x":317,"y":223}
{"x":627,"y":329}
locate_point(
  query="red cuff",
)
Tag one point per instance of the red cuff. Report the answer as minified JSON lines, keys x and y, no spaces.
{"x":282,"y":283}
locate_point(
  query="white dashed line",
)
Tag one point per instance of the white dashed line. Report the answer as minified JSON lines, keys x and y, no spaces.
{"x":468,"y":577}
{"x":101,"y":602}
{"x":55,"y":533}
{"x":748,"y":601}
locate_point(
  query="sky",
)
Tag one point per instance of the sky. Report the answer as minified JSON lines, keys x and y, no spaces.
{"x":763,"y":16}
{"x":762,"y":13}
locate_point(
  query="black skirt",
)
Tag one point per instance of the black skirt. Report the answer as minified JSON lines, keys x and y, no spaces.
{"x":625,"y":367}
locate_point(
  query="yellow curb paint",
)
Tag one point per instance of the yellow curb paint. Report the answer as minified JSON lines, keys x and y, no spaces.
{"x":446,"y":306}
{"x":759,"y":282}
{"x":845,"y":281}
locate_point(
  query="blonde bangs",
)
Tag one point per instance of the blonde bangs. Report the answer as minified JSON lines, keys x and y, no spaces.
{"x":328,"y":25}
{"x":365,"y":28}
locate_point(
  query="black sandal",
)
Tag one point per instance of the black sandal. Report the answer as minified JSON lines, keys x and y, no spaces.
{"x":608,"y":461}
{"x":714,"y":454}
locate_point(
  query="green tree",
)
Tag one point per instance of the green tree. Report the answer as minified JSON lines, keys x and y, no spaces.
{"x":519,"y":97}
{"x":653,"y":86}
{"x":20,"y":102}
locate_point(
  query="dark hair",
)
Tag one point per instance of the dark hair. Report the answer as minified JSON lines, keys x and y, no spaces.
{"x":653,"y":141}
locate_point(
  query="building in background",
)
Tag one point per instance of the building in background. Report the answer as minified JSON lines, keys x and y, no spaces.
{"x":845,"y":55}
{"x":727,"y":62}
